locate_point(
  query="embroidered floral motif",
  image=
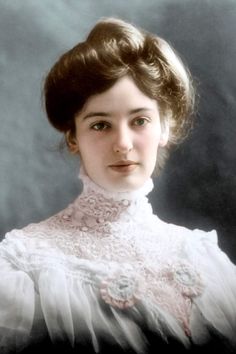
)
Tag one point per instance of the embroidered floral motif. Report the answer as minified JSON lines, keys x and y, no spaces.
{"x":120,"y":291}
{"x":187,"y":279}
{"x":172,"y":287}
{"x":159,"y":276}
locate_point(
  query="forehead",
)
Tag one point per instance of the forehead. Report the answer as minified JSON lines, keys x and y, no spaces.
{"x":123,"y":95}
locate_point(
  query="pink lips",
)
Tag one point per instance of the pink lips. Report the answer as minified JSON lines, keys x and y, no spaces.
{"x":124,"y":166}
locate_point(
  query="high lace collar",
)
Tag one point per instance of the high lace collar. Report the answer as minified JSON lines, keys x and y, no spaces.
{"x":96,"y":209}
{"x":89,"y":185}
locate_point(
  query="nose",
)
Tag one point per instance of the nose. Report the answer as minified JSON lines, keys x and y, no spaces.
{"x":123,"y":141}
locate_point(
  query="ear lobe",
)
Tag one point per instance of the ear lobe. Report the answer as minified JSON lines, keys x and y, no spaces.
{"x":72,"y":142}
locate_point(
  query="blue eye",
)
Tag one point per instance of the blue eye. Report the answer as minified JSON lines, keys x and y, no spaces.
{"x":100,"y":126}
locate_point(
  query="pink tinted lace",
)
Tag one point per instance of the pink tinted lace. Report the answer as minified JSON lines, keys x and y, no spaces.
{"x":150,"y":266}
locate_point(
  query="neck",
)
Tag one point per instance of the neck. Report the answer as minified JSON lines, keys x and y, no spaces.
{"x":90,"y":186}
{"x":98,"y":210}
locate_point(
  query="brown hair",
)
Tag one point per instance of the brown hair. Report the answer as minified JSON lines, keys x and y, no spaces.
{"x":113,"y":49}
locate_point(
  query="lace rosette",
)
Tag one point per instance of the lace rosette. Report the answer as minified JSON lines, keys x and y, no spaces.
{"x":121,"y":290}
{"x":172,"y":288}
{"x":177,"y":284}
{"x":186,"y":278}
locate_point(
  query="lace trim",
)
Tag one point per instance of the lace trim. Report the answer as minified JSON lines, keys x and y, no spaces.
{"x":123,"y":238}
{"x":171,"y":287}
{"x":94,"y":213}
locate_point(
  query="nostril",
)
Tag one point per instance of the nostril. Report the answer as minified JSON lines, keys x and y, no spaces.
{"x":123,"y":149}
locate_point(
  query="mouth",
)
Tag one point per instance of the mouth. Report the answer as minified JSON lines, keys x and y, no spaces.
{"x":124,"y":166}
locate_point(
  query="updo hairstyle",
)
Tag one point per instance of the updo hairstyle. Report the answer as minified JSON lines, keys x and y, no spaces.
{"x":113,"y":49}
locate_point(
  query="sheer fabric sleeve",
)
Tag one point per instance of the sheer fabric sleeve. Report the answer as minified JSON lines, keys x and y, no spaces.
{"x":217,"y":305}
{"x":17,"y":298}
{"x":61,"y":292}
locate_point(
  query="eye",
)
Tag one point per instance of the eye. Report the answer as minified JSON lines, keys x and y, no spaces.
{"x":99,"y":126}
{"x":140,"y":121}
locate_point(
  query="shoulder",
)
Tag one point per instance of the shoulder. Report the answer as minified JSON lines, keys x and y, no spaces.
{"x":37,"y":236}
{"x":197,"y":244}
{"x":192,"y":236}
{"x":44,"y":229}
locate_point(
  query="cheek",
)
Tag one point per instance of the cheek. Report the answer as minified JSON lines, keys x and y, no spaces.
{"x":84,"y":146}
{"x":149,"y":142}
{"x":90,"y":149}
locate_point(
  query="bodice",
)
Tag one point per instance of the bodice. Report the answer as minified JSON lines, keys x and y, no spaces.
{"x":107,"y":253}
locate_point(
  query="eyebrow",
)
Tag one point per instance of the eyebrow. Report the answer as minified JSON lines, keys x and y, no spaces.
{"x":108,"y":114}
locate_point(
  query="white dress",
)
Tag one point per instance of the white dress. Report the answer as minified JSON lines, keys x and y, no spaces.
{"x":106,"y":269}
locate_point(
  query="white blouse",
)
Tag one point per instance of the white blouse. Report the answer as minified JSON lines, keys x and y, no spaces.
{"x":106,"y":267}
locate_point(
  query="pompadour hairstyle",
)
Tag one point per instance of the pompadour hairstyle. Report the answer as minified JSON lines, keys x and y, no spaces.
{"x":113,"y":49}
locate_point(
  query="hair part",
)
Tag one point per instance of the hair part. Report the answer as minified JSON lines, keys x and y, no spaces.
{"x":113,"y":49}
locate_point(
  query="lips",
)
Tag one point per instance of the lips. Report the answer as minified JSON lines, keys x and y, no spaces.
{"x":124,"y":163}
{"x":124,"y":166}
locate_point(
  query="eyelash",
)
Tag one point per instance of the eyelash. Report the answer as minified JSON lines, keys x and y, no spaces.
{"x":105,"y":125}
{"x":145,"y":121}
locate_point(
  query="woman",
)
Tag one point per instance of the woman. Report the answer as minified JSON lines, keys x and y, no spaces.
{"x":105,"y":272}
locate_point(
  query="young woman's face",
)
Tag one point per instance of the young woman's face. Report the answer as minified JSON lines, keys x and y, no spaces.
{"x":118,"y":133}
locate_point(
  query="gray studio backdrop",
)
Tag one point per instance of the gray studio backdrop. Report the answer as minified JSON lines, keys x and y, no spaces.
{"x":198,"y":186}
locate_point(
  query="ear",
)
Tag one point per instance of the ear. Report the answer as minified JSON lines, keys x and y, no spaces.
{"x":72,"y":142}
{"x":165,"y":132}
